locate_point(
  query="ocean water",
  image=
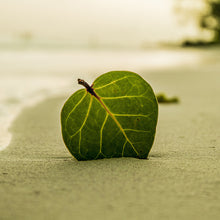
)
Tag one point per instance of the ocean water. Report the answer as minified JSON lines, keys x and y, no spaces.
{"x":30,"y":76}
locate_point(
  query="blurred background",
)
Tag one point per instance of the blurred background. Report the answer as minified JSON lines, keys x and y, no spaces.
{"x":107,"y":24}
{"x":45,"y":45}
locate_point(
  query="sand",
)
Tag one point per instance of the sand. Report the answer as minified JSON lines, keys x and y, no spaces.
{"x":39,"y":179}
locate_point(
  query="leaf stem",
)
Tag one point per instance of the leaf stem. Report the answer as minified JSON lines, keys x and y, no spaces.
{"x":88,"y":87}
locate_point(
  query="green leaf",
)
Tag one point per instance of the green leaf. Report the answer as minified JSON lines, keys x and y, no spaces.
{"x":115,"y":117}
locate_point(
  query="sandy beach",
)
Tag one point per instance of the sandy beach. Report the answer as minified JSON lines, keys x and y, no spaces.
{"x":39,"y":179}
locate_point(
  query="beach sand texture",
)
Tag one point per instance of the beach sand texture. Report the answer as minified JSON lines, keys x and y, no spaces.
{"x":39,"y":179}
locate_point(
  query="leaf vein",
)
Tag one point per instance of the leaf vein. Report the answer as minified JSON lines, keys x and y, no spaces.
{"x":124,"y":97}
{"x":123,"y":149}
{"x":118,"y":124}
{"x":106,"y":117}
{"x":132,"y":115}
{"x":128,"y":129}
{"x":87,"y":114}
{"x":74,"y":108}
{"x":112,"y":82}
{"x":90,"y":104}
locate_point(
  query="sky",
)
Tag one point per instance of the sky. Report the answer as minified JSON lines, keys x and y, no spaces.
{"x":90,"y":22}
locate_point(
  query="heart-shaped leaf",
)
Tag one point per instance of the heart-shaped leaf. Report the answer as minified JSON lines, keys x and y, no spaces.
{"x":115,"y":117}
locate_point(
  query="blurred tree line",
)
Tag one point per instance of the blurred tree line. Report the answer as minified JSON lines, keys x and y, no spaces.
{"x":206,"y":15}
{"x":211,"y":19}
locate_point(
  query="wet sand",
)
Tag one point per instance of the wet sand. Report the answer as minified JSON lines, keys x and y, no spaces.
{"x":39,"y":179}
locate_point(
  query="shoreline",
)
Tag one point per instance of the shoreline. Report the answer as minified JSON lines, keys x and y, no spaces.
{"x":40,"y":179}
